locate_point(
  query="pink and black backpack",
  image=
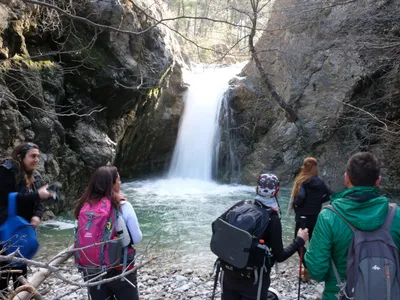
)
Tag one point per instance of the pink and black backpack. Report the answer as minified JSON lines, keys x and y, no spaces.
{"x":96,"y":237}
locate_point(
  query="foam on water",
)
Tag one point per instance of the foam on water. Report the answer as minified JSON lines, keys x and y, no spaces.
{"x":58,"y":224}
{"x":183,"y":187}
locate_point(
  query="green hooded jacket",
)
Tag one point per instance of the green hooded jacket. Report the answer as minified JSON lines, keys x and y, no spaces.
{"x":364,"y":208}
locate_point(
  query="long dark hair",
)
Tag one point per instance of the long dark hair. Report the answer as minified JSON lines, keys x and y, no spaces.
{"x":114,"y":172}
{"x":100,"y":185}
{"x":17,"y":156}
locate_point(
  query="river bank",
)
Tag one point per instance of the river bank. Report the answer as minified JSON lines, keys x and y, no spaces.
{"x":175,"y":218}
{"x":159,"y":280}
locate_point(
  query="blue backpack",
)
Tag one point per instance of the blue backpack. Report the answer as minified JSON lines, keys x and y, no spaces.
{"x":17,"y":233}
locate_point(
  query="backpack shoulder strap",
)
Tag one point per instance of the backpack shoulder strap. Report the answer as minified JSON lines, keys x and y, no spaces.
{"x":330,"y":207}
{"x":260,"y":204}
{"x":340,"y":284}
{"x":390,"y":216}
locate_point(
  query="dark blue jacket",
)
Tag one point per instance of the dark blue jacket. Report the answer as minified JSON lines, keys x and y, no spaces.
{"x":312,"y":194}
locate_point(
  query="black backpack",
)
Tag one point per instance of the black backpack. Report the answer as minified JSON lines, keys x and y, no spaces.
{"x":373,"y":264}
{"x":236,"y":235}
{"x":236,"y":240}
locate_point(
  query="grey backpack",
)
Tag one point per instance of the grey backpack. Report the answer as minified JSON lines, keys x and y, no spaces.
{"x":373,"y":265}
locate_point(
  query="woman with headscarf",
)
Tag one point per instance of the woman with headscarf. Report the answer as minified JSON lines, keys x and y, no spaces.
{"x":239,"y":284}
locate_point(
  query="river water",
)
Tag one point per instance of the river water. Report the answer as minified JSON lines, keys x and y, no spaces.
{"x":175,"y":216}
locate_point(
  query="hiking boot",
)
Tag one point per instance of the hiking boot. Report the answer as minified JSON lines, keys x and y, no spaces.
{"x":273,"y":294}
{"x":305,"y":276}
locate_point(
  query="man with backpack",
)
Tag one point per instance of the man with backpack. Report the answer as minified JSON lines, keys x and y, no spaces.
{"x":247,"y":254}
{"x":356,"y":240}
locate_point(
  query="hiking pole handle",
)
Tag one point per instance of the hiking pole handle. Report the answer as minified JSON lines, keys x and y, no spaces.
{"x":303,"y":222}
{"x":262,"y":246}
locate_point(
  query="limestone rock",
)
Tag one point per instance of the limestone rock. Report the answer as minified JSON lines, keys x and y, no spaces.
{"x":86,"y":93}
{"x":324,"y":62}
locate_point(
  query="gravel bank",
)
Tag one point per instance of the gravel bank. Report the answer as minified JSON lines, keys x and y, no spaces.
{"x":165,"y":281}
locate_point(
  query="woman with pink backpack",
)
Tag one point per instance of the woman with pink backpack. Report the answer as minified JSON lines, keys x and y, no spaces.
{"x":99,"y":240}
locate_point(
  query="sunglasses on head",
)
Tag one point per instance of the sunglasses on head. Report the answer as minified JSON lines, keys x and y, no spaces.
{"x":28,"y":146}
{"x":268,"y":184}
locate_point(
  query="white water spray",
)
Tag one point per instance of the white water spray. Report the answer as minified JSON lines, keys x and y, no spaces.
{"x":193,"y":154}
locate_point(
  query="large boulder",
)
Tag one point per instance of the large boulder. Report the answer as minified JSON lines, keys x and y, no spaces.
{"x":337,"y":65}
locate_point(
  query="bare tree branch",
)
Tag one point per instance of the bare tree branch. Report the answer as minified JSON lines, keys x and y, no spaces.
{"x":85,"y":20}
{"x":290,"y":113}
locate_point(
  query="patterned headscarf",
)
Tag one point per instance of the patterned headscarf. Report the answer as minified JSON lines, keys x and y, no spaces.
{"x":267,"y":190}
{"x":267,"y":185}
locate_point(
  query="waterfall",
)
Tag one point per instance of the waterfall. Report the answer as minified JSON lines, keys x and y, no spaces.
{"x":226,"y":167}
{"x":196,"y":143}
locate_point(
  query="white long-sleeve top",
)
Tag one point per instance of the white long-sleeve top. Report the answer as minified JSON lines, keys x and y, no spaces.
{"x":131,"y":220}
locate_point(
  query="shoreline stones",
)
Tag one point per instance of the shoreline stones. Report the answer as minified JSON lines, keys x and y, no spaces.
{"x":158,"y":281}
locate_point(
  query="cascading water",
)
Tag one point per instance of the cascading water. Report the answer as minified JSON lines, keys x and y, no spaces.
{"x":226,"y":165}
{"x":195,"y":147}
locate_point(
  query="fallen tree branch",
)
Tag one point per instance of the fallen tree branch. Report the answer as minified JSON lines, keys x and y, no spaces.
{"x":27,"y":288}
{"x":48,"y":269}
{"x":42,"y":275}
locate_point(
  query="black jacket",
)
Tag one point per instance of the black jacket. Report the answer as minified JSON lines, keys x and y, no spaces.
{"x":312,"y":194}
{"x":273,"y":239}
{"x":28,"y":202}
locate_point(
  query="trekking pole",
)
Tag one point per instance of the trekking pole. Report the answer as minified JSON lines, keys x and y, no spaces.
{"x":300,"y":267}
{"x":217,"y":268}
{"x":302,"y":226}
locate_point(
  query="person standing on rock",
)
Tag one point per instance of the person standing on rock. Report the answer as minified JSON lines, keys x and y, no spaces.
{"x":239,"y":284}
{"x":19,"y":174}
{"x":106,"y":182}
{"x":308,"y":194}
{"x":363,"y":207}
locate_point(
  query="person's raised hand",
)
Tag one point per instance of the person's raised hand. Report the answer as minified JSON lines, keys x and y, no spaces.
{"x":303,"y":233}
{"x":35,"y":221}
{"x":44,"y":193}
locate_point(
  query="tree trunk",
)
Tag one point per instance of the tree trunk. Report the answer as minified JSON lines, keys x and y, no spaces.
{"x":290,"y":113}
{"x":195,"y":15}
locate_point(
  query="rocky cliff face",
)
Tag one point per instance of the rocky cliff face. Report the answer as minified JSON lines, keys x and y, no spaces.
{"x":80,"y":91}
{"x":337,"y":64}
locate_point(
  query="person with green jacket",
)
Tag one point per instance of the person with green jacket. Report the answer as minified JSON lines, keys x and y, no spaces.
{"x":362,"y":205}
